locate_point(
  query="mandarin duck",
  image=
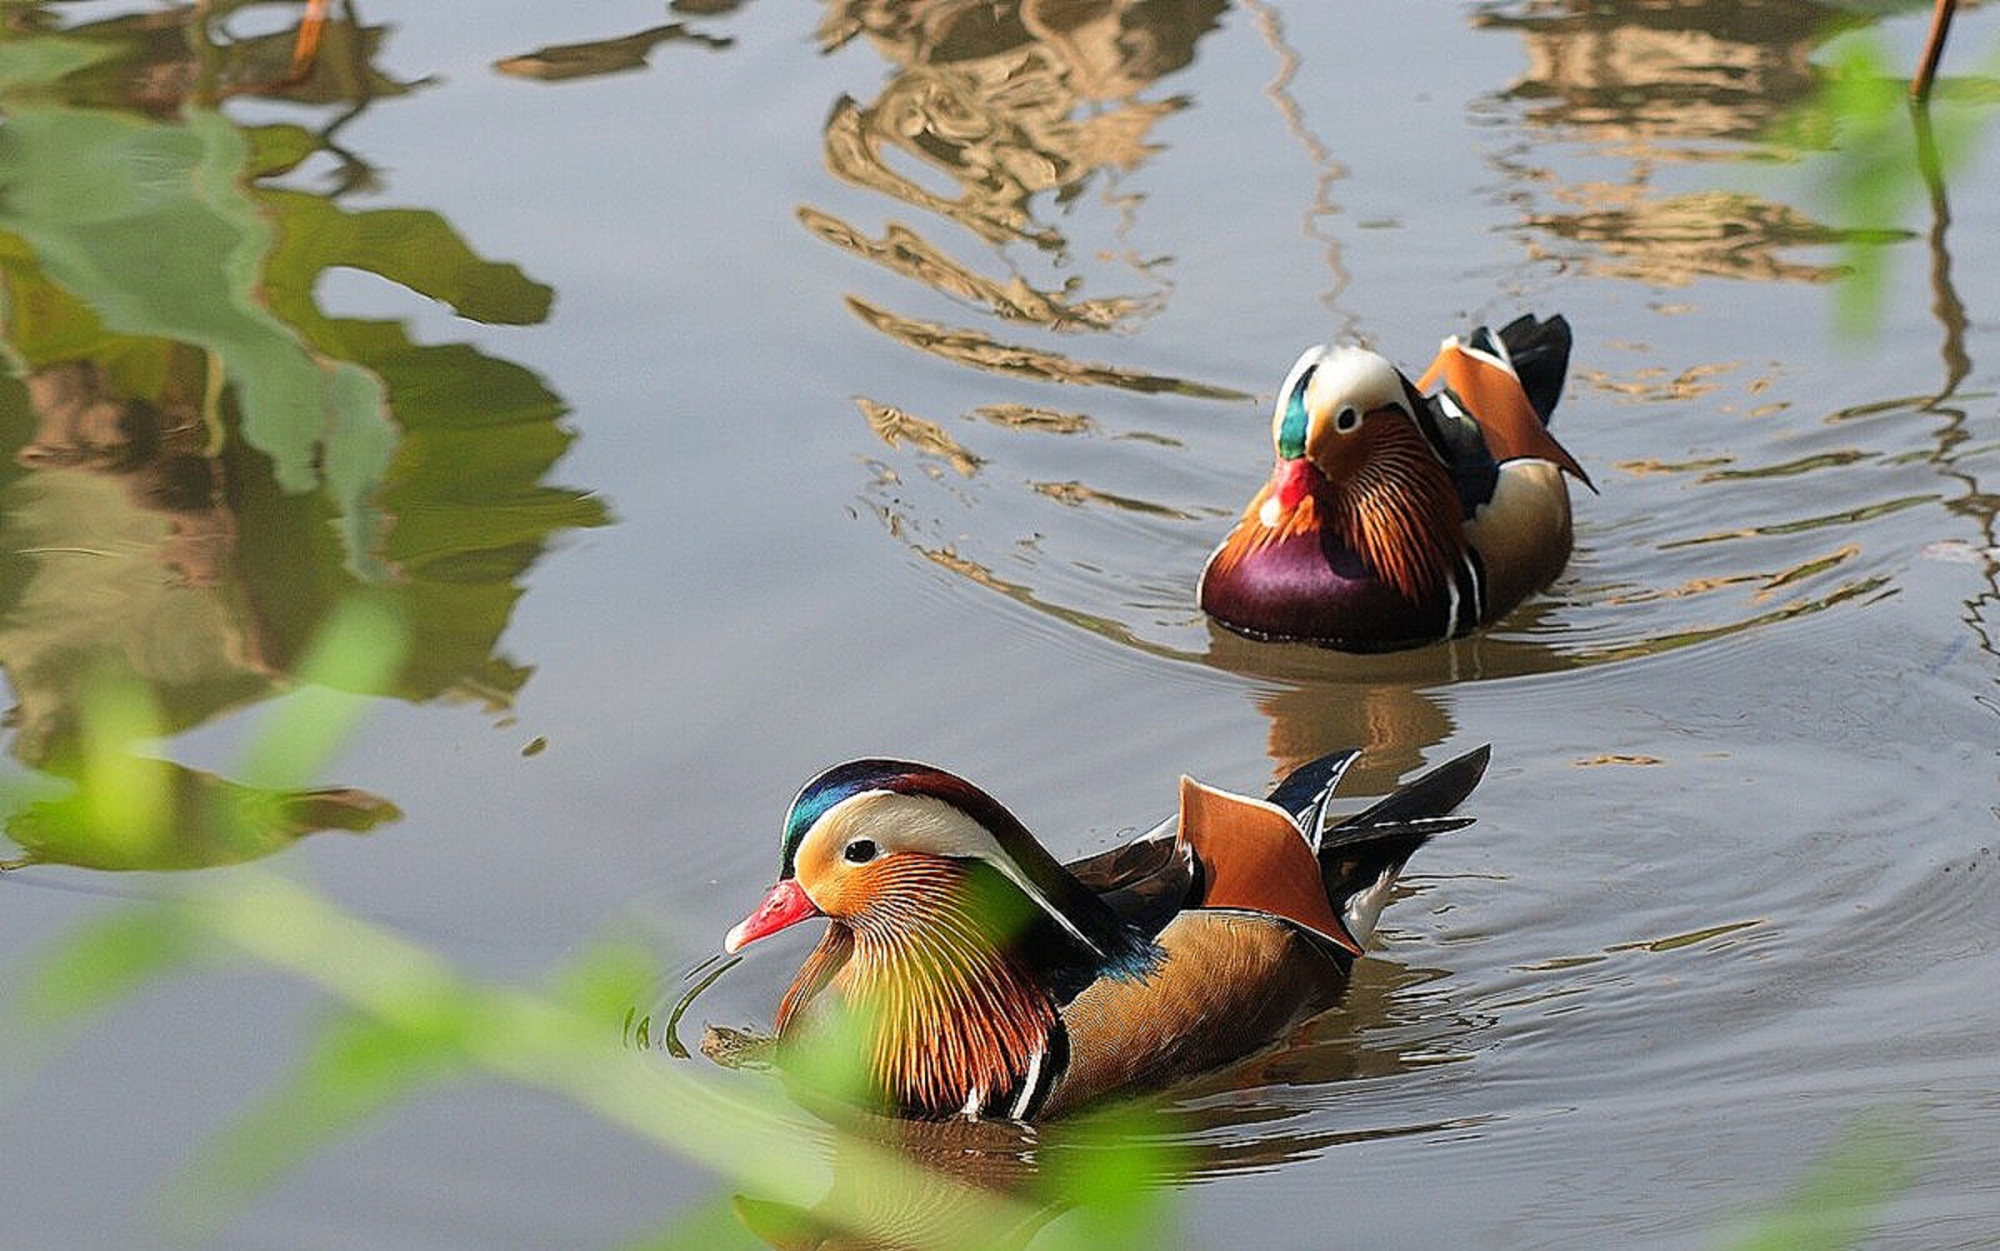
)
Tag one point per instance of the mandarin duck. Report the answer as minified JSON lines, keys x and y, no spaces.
{"x":1396,"y":518}
{"x":990,"y":981}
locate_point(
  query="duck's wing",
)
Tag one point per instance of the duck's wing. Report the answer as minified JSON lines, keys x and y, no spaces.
{"x":1145,"y":882}
{"x":1479,"y":384}
{"x":1305,"y":790}
{"x":1232,"y":983}
{"x":1259,"y":954}
{"x":1286,"y":855}
{"x":1539,"y":352}
{"x":1250,"y":854}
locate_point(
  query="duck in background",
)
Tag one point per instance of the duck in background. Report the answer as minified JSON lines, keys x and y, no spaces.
{"x":987,"y":980}
{"x":1396,"y":518}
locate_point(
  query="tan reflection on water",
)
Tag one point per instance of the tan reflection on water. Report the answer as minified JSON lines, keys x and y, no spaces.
{"x":982,"y":351}
{"x":1011,"y":123}
{"x":992,"y":96}
{"x":1656,"y":85}
{"x":991,"y":107}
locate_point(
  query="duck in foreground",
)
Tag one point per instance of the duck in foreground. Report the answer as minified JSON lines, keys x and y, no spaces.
{"x":1396,"y":518}
{"x":988,"y":980}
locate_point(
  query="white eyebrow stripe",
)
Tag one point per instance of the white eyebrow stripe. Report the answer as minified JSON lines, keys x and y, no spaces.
{"x":1359,"y":377}
{"x":929,"y":824}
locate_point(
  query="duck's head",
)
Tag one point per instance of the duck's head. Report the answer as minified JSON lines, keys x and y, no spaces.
{"x":884,"y":846}
{"x":1360,"y":504}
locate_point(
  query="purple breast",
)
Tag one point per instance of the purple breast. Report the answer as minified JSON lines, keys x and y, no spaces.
{"x":1312,"y":588}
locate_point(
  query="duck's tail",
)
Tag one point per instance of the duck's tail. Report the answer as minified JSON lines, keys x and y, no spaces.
{"x":1360,"y":856}
{"x":1539,"y":352}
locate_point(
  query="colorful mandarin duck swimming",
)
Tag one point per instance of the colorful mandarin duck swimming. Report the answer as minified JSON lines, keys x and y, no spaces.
{"x":1395,"y":518}
{"x":989,"y":981}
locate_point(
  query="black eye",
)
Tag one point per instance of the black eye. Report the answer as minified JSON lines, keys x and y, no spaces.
{"x":860,"y":851}
{"x":1346,"y":420}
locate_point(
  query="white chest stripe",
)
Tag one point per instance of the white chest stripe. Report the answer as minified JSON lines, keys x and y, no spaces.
{"x":1478,"y":586}
{"x":1031,"y":1086}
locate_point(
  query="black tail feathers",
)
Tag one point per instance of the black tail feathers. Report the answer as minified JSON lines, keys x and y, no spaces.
{"x":1392,"y":828}
{"x":1540,"y":352}
{"x":1359,"y":854}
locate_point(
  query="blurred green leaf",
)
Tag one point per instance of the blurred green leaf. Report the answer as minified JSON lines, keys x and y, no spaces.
{"x":717,"y":1226}
{"x":103,"y":961}
{"x":206,"y":821}
{"x":356,"y":1068}
{"x":1876,"y":161}
{"x":1113,"y":1167}
{"x":124,"y":800}
{"x":742,"y":1129}
{"x":1842,"y":1194}
{"x":603,"y":982}
{"x":359,"y":648}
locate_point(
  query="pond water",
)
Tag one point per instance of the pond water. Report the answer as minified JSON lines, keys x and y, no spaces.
{"x":723,"y":393}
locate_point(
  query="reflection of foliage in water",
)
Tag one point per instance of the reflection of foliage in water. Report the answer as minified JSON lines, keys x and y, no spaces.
{"x":1893,"y":159}
{"x":1653,"y":87}
{"x":1731,"y":94}
{"x":206,"y":463}
{"x":618,"y":55}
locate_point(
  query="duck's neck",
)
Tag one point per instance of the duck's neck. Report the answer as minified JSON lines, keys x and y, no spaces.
{"x":1400,"y":513}
{"x":956,"y":1022}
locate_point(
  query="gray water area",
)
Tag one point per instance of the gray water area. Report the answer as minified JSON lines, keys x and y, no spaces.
{"x":917,"y":356}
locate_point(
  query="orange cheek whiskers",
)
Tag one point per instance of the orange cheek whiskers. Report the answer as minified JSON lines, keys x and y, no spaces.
{"x":952,"y":1011}
{"x":1252,"y":535}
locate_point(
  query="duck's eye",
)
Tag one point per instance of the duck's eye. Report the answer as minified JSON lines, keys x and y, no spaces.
{"x":1346,"y":421}
{"x":860,"y":851}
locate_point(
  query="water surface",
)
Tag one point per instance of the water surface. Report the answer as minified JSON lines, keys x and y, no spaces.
{"x":724,"y":394}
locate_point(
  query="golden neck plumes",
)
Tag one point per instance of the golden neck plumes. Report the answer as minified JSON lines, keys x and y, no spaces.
{"x":1399,"y":512}
{"x":952,"y":1018}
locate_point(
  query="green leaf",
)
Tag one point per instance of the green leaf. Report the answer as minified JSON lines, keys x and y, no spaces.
{"x":721,"y":1225}
{"x":97,"y":965}
{"x":603,"y":982}
{"x":1878,"y":157}
{"x":360,"y":648}
{"x":1112,"y":1167}
{"x":1837,"y":1202}
{"x":27,"y":64}
{"x":357,"y":1068}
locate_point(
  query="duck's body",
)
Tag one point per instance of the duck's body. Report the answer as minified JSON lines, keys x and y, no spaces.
{"x":989,"y":981}
{"x":1396,"y":518}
